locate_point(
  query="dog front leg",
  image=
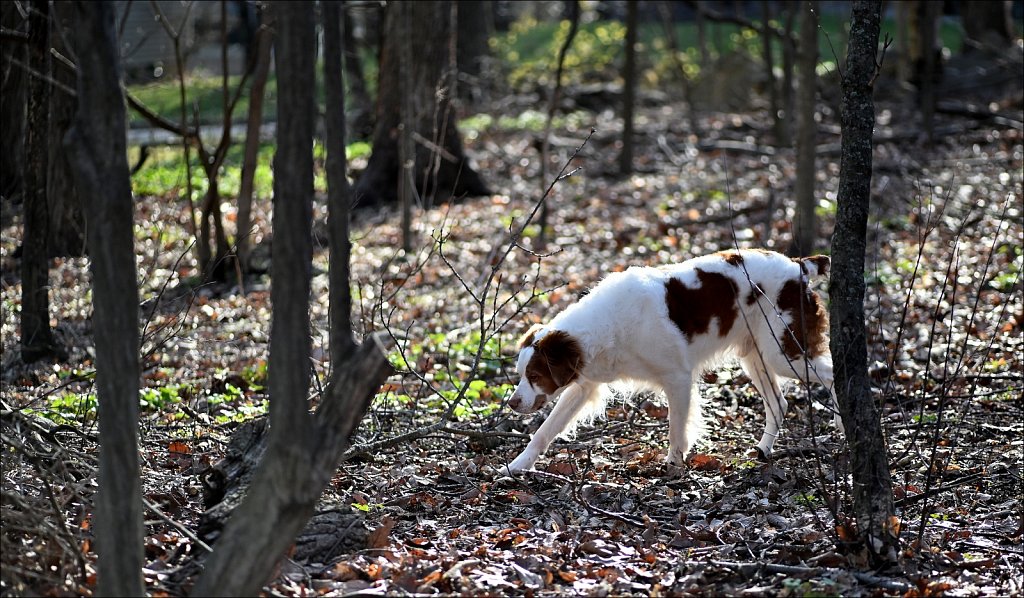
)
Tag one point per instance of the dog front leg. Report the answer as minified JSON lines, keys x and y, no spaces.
{"x":565,"y":413}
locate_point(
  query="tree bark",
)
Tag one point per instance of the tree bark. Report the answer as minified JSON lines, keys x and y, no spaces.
{"x":12,"y":103}
{"x":36,"y":337}
{"x":769,"y":71}
{"x":629,"y":90}
{"x":929,"y":62}
{"x":988,"y":24}
{"x":788,"y":59}
{"x":302,"y":450}
{"x":250,"y":160}
{"x":341,"y":341}
{"x":362,"y":107}
{"x":441,"y":168}
{"x":805,"y":225}
{"x":99,"y":162}
{"x":872,"y":483}
{"x":66,"y":235}
{"x":475,"y":26}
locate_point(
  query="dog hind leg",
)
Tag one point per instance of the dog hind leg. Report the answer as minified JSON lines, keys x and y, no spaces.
{"x":685,"y":419}
{"x":775,"y":405}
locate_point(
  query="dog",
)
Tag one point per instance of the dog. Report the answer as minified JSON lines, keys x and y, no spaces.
{"x":660,"y":327}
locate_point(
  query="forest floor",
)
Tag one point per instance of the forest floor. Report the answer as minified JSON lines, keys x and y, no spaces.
{"x":603,"y":514}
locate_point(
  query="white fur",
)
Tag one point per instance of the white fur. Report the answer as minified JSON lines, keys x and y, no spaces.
{"x":625,"y":331}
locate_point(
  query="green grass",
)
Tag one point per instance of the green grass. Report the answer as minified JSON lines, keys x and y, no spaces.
{"x":204,"y":92}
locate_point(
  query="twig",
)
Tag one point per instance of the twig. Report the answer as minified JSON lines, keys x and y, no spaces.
{"x":181,"y":528}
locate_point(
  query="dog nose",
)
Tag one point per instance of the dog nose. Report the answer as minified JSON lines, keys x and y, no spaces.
{"x":515,"y":401}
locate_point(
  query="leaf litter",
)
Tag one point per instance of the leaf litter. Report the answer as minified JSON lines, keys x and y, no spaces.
{"x":604,"y":514}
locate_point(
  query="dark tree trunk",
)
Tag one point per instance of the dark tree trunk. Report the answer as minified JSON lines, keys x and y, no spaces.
{"x":788,"y":60}
{"x":929,"y":62}
{"x":441,"y":168}
{"x":341,"y":341}
{"x":629,"y":90}
{"x":769,"y":71}
{"x":805,"y":225}
{"x":278,"y":497}
{"x":872,"y":483}
{"x":668,"y":23}
{"x":250,"y":160}
{"x":475,"y":25}
{"x":303,"y":450}
{"x":99,"y":162}
{"x":36,"y":337}
{"x":362,"y":106}
{"x":66,"y":235}
{"x":12,"y":103}
{"x":988,"y":24}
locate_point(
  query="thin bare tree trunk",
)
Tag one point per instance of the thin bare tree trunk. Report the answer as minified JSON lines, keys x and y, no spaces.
{"x":872,"y":484}
{"x":805,"y":225}
{"x":36,"y":337}
{"x":573,"y":9}
{"x":362,"y":105}
{"x":250,"y":160}
{"x":12,"y":103}
{"x":629,"y":90}
{"x":788,"y":60}
{"x":342,"y":342}
{"x":673,"y":44}
{"x":928,"y":24}
{"x":99,"y":161}
{"x":769,"y":71}
{"x":303,"y":450}
{"x":66,"y":234}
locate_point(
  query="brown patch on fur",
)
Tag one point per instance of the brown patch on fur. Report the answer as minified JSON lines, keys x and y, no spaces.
{"x":556,"y":362}
{"x":527,"y":339}
{"x":730,"y":257}
{"x":809,"y":328}
{"x":693,"y":309}
{"x":821,"y":264}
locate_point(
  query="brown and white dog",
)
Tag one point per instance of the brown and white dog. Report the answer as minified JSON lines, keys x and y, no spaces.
{"x":660,"y":327}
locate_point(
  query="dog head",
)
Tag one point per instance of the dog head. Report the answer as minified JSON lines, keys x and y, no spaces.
{"x":549,"y":361}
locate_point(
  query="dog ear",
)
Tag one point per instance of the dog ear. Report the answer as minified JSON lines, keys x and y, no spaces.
{"x":563,"y":356}
{"x":527,"y":339}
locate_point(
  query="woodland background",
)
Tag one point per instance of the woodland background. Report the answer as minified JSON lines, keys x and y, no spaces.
{"x":503,"y":157}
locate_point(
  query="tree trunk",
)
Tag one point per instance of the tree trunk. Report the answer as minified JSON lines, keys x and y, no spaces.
{"x":99,"y":162}
{"x":629,"y":90}
{"x":572,"y":9}
{"x":264,"y":42}
{"x":36,"y":337}
{"x":362,"y":106}
{"x":341,"y":341}
{"x":440,"y":161}
{"x":988,"y":24}
{"x":475,"y":25}
{"x":668,"y":23}
{"x":769,"y":71}
{"x":805,"y":225}
{"x":66,"y":235}
{"x":12,"y":104}
{"x":278,"y":497}
{"x":872,"y":484}
{"x":788,"y":60}
{"x":303,"y":450}
{"x":929,"y":61}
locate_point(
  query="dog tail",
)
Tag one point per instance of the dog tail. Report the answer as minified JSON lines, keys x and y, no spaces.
{"x":816,"y":265}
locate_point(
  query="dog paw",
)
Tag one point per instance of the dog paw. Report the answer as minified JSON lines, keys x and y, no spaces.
{"x":763,"y":455}
{"x":521,"y":463}
{"x":677,"y":458}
